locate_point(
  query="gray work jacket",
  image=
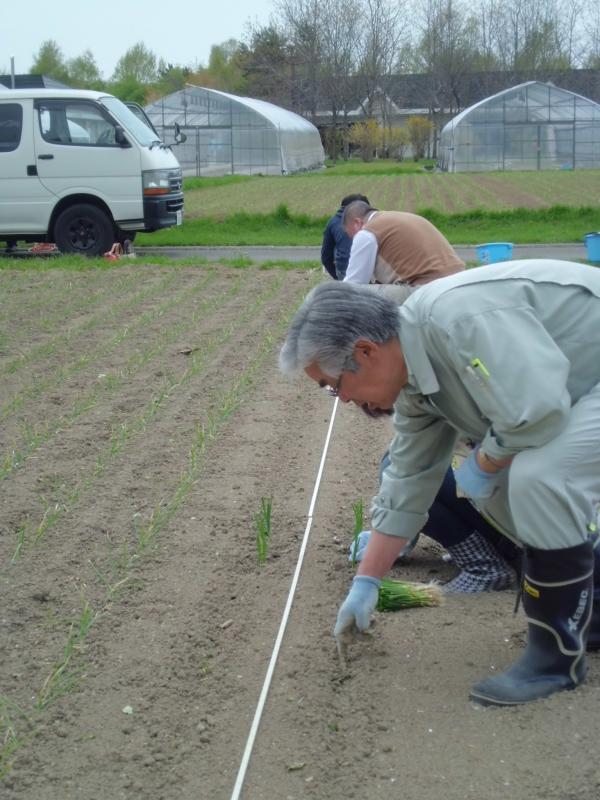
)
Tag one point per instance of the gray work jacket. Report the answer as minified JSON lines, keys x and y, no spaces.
{"x":497,"y":355}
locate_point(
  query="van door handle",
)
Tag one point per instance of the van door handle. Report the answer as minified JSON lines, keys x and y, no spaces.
{"x":46,"y":157}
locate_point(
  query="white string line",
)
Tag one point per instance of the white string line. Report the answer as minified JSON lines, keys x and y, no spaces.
{"x":271,"y":668}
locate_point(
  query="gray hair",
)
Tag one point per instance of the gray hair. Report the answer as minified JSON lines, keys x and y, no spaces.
{"x":356,"y":210}
{"x":333,"y":317}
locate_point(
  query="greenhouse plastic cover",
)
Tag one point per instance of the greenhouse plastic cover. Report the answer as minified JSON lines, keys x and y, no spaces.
{"x":239,"y":135}
{"x":530,"y":126}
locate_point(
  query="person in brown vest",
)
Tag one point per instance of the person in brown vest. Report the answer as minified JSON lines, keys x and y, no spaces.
{"x":396,"y":247}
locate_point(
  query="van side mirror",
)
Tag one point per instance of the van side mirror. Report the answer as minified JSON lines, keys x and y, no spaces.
{"x":120,"y":137}
{"x":180,"y":137}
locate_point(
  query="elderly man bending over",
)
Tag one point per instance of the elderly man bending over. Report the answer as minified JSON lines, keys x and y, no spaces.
{"x":506,"y":357}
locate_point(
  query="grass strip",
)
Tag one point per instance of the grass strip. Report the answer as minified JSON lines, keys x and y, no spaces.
{"x":283,"y":228}
{"x":79,"y":264}
{"x":519,"y":225}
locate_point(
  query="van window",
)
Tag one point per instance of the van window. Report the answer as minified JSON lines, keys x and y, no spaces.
{"x":11,"y":125}
{"x":75,"y":123}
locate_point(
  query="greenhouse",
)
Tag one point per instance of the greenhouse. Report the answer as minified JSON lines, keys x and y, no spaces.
{"x":230,"y":135}
{"x":532,"y":126}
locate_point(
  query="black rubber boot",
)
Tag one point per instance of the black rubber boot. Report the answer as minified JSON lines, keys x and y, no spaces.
{"x":557,"y":597}
{"x":594,"y":634}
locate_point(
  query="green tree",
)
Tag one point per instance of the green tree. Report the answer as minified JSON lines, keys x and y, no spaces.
{"x":265,"y":65}
{"x":171,"y":78}
{"x":49,"y":60}
{"x":84,"y":73}
{"x":138,"y":65}
{"x":130,"y":89}
{"x":223,"y":67}
{"x":542,"y":50}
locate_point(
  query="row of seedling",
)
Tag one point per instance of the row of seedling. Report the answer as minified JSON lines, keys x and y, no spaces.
{"x":38,"y":387}
{"x":47,"y":313}
{"x":66,"y":671}
{"x":226,"y":404}
{"x":33,"y":438}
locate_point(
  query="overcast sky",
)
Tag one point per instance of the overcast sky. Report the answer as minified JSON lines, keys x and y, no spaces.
{"x":178,"y":31}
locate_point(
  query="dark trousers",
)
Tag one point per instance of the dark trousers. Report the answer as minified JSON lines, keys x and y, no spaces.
{"x":453,"y":519}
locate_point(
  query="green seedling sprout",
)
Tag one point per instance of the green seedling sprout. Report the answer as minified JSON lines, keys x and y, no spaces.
{"x":358,"y":526}
{"x":263,"y":528}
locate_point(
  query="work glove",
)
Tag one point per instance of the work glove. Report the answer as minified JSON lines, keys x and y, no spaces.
{"x":358,"y":546}
{"x":474,"y":481}
{"x":362,"y":541}
{"x":358,"y":606}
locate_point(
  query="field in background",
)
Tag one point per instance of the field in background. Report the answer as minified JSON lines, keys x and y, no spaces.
{"x":522,"y":207}
{"x":318,"y":195}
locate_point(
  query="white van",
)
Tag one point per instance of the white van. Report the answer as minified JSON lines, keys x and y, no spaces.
{"x":80,"y":169}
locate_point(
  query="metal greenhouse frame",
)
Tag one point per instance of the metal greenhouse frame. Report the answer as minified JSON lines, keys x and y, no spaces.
{"x":532,"y":126}
{"x":227,"y":134}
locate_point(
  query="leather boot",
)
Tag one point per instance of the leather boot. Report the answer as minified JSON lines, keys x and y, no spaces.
{"x":557,"y":598}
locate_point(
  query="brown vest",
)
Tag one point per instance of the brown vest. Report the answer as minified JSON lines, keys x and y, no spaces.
{"x":410,"y":249}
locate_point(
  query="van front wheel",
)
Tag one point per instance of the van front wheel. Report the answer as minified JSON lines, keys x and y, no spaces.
{"x":84,"y":229}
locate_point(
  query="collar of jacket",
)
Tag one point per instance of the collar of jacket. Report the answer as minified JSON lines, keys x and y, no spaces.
{"x":421,"y":377}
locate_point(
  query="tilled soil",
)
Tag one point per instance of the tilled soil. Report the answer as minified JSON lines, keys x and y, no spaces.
{"x":143,"y":419}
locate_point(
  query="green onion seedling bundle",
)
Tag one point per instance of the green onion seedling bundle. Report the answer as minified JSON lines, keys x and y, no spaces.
{"x":395,"y":595}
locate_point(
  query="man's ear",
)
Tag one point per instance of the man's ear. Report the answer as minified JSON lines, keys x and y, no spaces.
{"x":364,"y":351}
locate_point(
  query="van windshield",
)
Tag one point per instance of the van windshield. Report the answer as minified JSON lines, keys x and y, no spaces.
{"x":129,"y":121}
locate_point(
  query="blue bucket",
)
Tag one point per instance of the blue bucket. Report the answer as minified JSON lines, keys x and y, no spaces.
{"x":592,"y":244}
{"x":494,"y":251}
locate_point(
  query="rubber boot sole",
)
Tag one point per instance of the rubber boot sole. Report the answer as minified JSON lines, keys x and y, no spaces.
{"x":492,"y":693}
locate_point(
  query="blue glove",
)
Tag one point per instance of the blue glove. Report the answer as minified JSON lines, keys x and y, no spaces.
{"x":358,"y":605}
{"x":363,"y":541}
{"x":474,"y":481}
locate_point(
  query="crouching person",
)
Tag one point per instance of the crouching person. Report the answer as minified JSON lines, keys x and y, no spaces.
{"x":506,"y":357}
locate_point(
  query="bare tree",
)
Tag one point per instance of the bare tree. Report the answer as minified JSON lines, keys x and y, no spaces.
{"x":265,"y":61}
{"x":385,"y":31}
{"x":447,"y":51}
{"x":301,"y":21}
{"x":340,"y":39}
{"x":591,"y":41}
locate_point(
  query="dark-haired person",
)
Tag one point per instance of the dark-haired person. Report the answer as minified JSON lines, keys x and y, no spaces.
{"x":505,"y":357}
{"x":335,"y":248}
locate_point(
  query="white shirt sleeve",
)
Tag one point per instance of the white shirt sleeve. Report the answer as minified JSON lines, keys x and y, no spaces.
{"x":363,"y":256}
